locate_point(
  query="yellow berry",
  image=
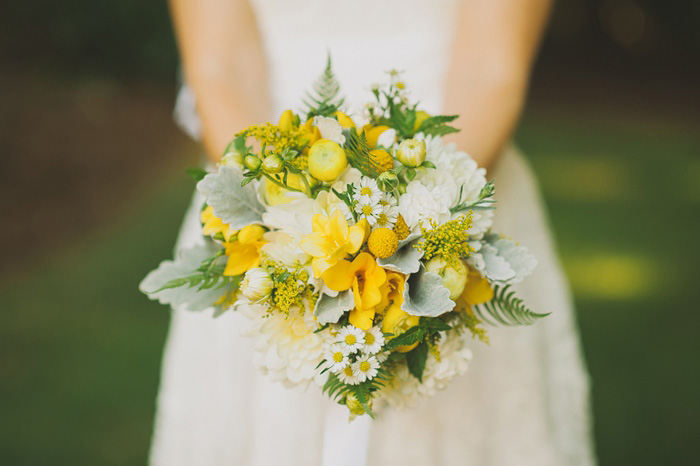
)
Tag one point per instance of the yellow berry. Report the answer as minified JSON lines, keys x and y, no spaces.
{"x":382,"y":160}
{"x":383,"y":242}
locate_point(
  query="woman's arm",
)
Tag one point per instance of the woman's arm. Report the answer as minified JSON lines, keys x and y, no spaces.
{"x":494,"y":47}
{"x":224,"y":64}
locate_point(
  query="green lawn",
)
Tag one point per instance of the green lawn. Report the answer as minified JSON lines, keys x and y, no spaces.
{"x":80,"y":347}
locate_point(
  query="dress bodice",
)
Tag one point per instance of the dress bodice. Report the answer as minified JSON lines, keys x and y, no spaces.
{"x":365,"y":38}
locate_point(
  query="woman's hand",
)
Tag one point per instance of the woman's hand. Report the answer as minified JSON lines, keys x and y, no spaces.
{"x":494,"y":47}
{"x":224,"y":64}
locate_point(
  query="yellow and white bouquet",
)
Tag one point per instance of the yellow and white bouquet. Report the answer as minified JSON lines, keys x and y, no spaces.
{"x":362,"y":252}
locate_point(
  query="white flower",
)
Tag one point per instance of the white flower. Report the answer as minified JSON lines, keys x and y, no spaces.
{"x":330,"y":129}
{"x":286,"y":347}
{"x":374,"y":340}
{"x":256,"y":285}
{"x":369,"y":210}
{"x":387,"y":217}
{"x":366,"y":367}
{"x":419,"y":203}
{"x":284,"y":248}
{"x":351,"y":338}
{"x":367,"y":189}
{"x":348,"y":375}
{"x":387,"y":138}
{"x":336,"y":358}
{"x":382,"y":356}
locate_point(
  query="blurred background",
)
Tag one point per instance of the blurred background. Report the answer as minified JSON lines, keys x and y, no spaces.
{"x":93,"y":188}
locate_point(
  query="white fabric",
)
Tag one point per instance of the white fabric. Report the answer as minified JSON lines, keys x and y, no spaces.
{"x":524,"y":400}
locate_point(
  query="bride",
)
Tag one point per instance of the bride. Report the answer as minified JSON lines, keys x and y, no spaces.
{"x":524,"y":400}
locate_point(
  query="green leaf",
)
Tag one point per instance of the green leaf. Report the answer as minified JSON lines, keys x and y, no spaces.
{"x":506,"y":309}
{"x":405,"y":260}
{"x":434,"y":324}
{"x":329,"y":309}
{"x":436,"y":125}
{"x":425,"y":295}
{"x":197,"y":173}
{"x":323,"y":99}
{"x":409,"y":337}
{"x":233,"y":203}
{"x":416,"y":359}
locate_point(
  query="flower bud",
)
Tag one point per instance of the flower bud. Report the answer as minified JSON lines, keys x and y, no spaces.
{"x":256,"y":285}
{"x":272,"y":164}
{"x":251,"y":162}
{"x":454,"y":279}
{"x":411,"y":153}
{"x":388,"y":181}
{"x":232,"y":158}
{"x":355,"y":406}
{"x":286,"y":122}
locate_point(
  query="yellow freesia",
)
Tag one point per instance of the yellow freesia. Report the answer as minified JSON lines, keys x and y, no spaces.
{"x":398,"y":321}
{"x":331,"y":241}
{"x":244,"y":253}
{"x":213,"y":224}
{"x":365,"y":278}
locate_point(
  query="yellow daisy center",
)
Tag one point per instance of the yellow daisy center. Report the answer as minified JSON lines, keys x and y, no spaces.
{"x":364,"y":366}
{"x":348,"y":371}
{"x":369,"y":338}
{"x":366,"y":191}
{"x":367,"y":210}
{"x":350,"y":339}
{"x":382,"y":219}
{"x":338,"y":356}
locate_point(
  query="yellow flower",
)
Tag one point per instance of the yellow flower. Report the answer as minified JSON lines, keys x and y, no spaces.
{"x":477,"y":290}
{"x":331,"y":241}
{"x":213,"y":224}
{"x":398,"y":321}
{"x":365,"y":278}
{"x":344,"y":120}
{"x":383,"y":242}
{"x":244,"y":253}
{"x":372,"y":133}
{"x":286,"y":122}
{"x":392,"y":290}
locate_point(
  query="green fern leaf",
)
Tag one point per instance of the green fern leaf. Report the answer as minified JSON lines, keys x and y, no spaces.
{"x":358,"y":153}
{"x":323,"y":99}
{"x":506,"y":309}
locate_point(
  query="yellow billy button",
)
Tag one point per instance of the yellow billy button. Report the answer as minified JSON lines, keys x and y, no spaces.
{"x":327,"y":160}
{"x":383,"y":243}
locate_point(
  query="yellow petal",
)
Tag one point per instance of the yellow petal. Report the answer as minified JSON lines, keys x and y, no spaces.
{"x":362,"y":319}
{"x":241,"y":258}
{"x":318,"y":223}
{"x":251,"y":233}
{"x":338,"y":227}
{"x":477,"y":290}
{"x":339,"y":276}
{"x":316,"y":244}
{"x":357,"y":236}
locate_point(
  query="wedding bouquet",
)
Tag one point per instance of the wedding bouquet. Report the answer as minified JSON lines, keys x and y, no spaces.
{"x":360,"y":249}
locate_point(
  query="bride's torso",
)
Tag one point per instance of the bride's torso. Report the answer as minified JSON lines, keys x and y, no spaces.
{"x":365,"y":39}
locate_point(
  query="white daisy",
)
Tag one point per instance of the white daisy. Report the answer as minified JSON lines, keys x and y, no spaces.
{"x":349,"y":376}
{"x":351,"y":338}
{"x":383,"y":356}
{"x":365,"y":367}
{"x":387,"y":217}
{"x":369,"y":210}
{"x":367,"y":188}
{"x":336,"y":358}
{"x":388,"y":200}
{"x":374,"y":340}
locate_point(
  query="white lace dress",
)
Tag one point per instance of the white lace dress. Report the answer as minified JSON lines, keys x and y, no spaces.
{"x":524,"y":399}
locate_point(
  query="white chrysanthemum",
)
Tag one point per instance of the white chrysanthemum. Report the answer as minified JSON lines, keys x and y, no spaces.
{"x":419,"y":203}
{"x":348,"y":375}
{"x":463,"y":174}
{"x":366,"y":367}
{"x":351,"y":338}
{"x":284,"y":248}
{"x":374,"y":340}
{"x":387,"y":217}
{"x":336,"y":358}
{"x":257,"y":284}
{"x":454,"y":361}
{"x":286,"y":347}
{"x":367,"y":188}
{"x":330,"y":129}
{"x":368,"y":210}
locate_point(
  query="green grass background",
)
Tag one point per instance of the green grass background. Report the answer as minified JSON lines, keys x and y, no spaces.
{"x":81,"y":347}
